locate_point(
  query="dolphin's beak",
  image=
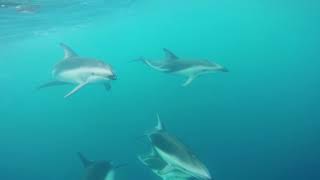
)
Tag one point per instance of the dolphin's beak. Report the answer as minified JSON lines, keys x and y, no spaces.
{"x":113,"y":77}
{"x":223,"y":69}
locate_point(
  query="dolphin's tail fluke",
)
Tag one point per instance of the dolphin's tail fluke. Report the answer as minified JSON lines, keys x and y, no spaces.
{"x":84,"y":160}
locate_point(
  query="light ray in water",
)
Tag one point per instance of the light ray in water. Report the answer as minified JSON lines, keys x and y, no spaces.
{"x":21,"y":18}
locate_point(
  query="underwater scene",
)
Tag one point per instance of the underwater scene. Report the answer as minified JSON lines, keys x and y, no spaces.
{"x":159,"y":89}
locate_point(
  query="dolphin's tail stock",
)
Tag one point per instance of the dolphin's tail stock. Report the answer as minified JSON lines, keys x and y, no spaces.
{"x":51,"y":83}
{"x":140,"y":59}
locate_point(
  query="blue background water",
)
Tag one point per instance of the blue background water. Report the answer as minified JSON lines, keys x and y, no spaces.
{"x":259,"y":121}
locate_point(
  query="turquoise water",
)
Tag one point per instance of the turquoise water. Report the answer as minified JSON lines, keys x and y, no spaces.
{"x":258,"y":121}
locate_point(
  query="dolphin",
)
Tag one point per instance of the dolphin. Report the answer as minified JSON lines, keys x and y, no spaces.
{"x":156,"y":164}
{"x":27,"y":8}
{"x":80,"y":71}
{"x":189,"y":68}
{"x":175,"y":154}
{"x":97,"y":170}
{"x":9,"y":4}
{"x":22,"y":7}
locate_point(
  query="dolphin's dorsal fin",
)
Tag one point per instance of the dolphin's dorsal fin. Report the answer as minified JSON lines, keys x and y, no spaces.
{"x":84,"y":160}
{"x":160,"y":126}
{"x":68,"y":52}
{"x":170,"y":55}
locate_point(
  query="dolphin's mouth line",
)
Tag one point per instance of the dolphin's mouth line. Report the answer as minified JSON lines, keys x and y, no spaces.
{"x":105,"y":78}
{"x":113,"y":77}
{"x":108,"y":78}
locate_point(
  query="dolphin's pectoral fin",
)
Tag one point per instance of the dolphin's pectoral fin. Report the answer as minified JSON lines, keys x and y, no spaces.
{"x":52,"y":83}
{"x":166,"y":170}
{"x":188,"y":81}
{"x":76,"y":89}
{"x":107,"y":86}
{"x":152,"y":161}
{"x":68,"y":52}
{"x":170,"y":55}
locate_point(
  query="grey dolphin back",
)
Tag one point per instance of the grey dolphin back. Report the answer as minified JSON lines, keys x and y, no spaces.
{"x":169,"y":55}
{"x":86,"y":163}
{"x":68,"y":52}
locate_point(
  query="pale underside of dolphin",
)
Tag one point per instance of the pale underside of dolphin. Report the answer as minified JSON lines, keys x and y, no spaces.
{"x":97,"y":170}
{"x":80,"y":71}
{"x":157,"y":165}
{"x":189,"y":68}
{"x":177,"y":156}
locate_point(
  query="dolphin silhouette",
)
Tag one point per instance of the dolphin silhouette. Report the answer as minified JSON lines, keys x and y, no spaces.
{"x":20,"y":6}
{"x":189,"y":68}
{"x":176,"y":155}
{"x":80,"y":71}
{"x":97,"y":170}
